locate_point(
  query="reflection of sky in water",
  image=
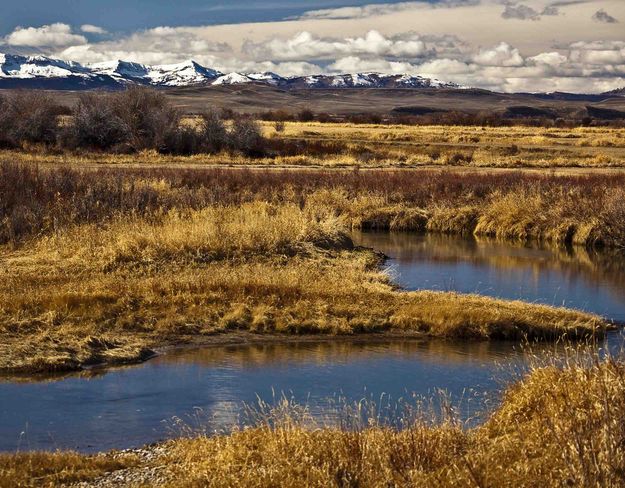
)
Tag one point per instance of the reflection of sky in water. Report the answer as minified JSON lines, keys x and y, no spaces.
{"x":575,"y":279}
{"x":129,"y":406}
{"x":135,"y":405}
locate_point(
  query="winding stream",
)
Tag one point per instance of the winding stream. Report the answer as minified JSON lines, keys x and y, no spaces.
{"x":132,"y":406}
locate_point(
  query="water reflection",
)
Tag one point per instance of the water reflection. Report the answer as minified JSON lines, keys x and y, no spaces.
{"x":573,"y":277}
{"x":128,"y":406}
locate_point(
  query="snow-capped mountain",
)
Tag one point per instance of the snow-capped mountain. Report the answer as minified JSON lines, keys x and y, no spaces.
{"x":182,"y":74}
{"x":43,"y":72}
{"x":367,"y":80}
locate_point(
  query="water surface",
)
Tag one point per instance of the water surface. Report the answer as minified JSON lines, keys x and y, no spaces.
{"x":573,"y":277}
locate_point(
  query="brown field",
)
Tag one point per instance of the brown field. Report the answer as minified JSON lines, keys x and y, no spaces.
{"x":104,"y":266}
{"x":255,"y":99}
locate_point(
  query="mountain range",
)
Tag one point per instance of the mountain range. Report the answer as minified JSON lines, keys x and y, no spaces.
{"x":18,"y":71}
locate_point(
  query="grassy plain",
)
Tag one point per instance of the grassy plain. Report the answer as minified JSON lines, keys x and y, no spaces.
{"x":560,"y":425}
{"x":315,"y":144}
{"x":401,"y":145}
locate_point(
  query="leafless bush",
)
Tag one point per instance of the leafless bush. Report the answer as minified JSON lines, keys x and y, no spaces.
{"x":28,"y":117}
{"x":245,"y":136}
{"x":95,"y":123}
{"x":212,"y":132}
{"x":149,"y":116}
{"x":306,"y":115}
{"x":183,"y":141}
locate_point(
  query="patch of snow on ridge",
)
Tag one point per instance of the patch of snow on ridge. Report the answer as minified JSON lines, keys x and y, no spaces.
{"x":181,"y":74}
{"x":232,"y":79}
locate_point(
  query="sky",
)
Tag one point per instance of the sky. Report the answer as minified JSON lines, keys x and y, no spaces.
{"x":503,"y":45}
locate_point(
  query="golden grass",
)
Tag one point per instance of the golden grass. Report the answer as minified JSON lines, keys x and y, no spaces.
{"x":398,"y":145}
{"x":110,"y":293}
{"x":45,"y":469}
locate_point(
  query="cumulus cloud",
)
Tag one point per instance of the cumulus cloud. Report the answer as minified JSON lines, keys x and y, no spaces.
{"x":355,"y":64}
{"x":159,"y":45}
{"x":604,"y":17}
{"x":309,"y":46}
{"x":501,"y":55}
{"x":92,"y":29}
{"x":549,"y":59}
{"x":602,"y":54}
{"x":52,"y":35}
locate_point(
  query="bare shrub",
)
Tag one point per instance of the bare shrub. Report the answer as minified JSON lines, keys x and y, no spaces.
{"x":137,"y":118}
{"x":212,"y":132}
{"x":183,"y":141}
{"x":246,"y":136}
{"x":279,"y":125}
{"x":28,"y":117}
{"x":306,"y":115}
{"x":149,"y":116}
{"x":95,"y":123}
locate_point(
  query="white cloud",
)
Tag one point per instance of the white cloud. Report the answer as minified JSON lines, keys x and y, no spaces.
{"x":160,"y":45}
{"x":501,"y":55}
{"x":598,"y":53}
{"x":354,"y":64}
{"x":52,"y":35}
{"x":92,"y":29}
{"x":549,"y":58}
{"x":306,"y":45}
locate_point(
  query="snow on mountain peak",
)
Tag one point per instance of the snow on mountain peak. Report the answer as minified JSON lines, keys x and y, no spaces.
{"x":42,"y":71}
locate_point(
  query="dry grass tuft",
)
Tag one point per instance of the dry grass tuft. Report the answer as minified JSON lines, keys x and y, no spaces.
{"x":45,"y":469}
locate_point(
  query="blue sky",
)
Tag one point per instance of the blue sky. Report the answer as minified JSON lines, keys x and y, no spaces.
{"x":505,"y":45}
{"x":128,"y":15}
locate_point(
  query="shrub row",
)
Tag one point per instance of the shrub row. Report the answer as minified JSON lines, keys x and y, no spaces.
{"x":127,"y":121}
{"x":425,"y":116}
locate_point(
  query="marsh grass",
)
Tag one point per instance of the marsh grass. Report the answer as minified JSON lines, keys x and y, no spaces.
{"x":585,"y":210}
{"x":111,"y":292}
{"x":44,"y":469}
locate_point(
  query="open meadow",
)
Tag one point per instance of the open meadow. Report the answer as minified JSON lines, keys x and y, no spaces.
{"x":132,"y":235}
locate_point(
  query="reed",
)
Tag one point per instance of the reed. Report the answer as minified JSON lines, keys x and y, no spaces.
{"x":586,"y":210}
